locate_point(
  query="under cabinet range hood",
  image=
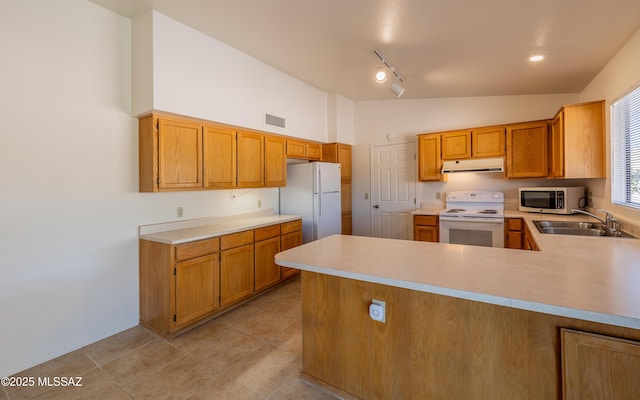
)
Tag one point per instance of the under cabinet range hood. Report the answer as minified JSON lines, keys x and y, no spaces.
{"x":474,"y":165}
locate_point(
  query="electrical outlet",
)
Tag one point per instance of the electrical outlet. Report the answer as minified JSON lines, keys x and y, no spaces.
{"x":180,"y":212}
{"x":259,"y":203}
{"x":438,"y":196}
{"x":377,"y":310}
{"x":366,"y":196}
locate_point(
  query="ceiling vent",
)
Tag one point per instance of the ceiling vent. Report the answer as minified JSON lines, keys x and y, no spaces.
{"x":273,"y":120}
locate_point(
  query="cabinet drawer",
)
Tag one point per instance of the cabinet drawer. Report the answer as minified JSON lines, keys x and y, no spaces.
{"x":430,"y":220}
{"x":514,"y":224}
{"x":197,"y":249}
{"x":236,"y":240}
{"x":267,"y":232}
{"x":292,"y":226}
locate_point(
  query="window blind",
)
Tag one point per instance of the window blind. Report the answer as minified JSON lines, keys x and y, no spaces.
{"x":625,"y":150}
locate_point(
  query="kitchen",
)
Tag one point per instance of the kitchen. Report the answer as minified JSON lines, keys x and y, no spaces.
{"x":70,"y":285}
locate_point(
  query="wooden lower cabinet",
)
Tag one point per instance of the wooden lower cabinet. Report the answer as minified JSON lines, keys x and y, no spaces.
{"x":267,"y":272}
{"x":599,"y":367}
{"x":425,"y":228}
{"x":181,"y":285}
{"x":440,"y":347}
{"x":517,"y":235}
{"x":513,"y":233}
{"x":197,"y":283}
{"x":236,"y":267}
{"x":528,"y":242}
{"x":291,"y":237}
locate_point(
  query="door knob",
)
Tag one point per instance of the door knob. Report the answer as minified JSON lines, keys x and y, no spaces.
{"x":376,"y":206}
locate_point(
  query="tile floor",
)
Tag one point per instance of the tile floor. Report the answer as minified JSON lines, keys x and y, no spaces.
{"x":252,"y":352}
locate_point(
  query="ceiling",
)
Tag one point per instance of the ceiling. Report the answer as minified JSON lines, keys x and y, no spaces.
{"x":440,"y":48}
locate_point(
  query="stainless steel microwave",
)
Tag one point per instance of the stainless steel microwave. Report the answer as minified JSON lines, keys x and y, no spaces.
{"x":551,"y":200}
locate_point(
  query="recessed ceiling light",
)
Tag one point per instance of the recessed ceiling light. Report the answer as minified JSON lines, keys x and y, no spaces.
{"x":536,"y":57}
{"x":381,"y":76}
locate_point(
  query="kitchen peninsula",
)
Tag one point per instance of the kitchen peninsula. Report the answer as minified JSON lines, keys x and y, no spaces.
{"x":471,"y":322}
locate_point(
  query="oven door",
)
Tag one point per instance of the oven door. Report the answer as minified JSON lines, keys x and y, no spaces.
{"x":487,"y":232}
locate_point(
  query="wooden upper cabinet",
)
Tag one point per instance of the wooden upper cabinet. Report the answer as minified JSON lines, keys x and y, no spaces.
{"x":487,"y":142}
{"x":219,"y":157}
{"x":179,"y":154}
{"x":275,"y":161}
{"x":474,"y":143}
{"x":339,"y":153}
{"x":250,"y":170}
{"x":296,"y":149}
{"x":306,"y":150}
{"x":577,"y":142}
{"x":556,"y":146}
{"x":314,"y":151}
{"x":456,"y":145}
{"x":429,"y":159}
{"x":527,"y":150}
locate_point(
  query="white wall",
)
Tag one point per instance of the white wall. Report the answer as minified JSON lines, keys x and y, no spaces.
{"x":620,"y":75}
{"x":68,"y":159}
{"x":198,"y":76}
{"x":404,"y":119}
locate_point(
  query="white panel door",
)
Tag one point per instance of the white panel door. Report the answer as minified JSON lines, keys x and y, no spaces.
{"x":393,"y":198}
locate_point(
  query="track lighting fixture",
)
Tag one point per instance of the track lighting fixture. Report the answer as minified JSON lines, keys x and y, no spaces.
{"x":381,"y":75}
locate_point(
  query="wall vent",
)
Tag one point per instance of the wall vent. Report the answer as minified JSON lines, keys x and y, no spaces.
{"x":273,"y":120}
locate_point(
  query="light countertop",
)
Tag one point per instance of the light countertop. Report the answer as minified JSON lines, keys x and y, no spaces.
{"x":589,"y":278}
{"x":204,"y":228}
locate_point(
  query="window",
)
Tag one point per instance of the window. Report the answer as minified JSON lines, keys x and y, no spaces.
{"x":625,"y":150}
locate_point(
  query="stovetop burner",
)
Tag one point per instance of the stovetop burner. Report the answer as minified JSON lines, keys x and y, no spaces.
{"x":474,"y":204}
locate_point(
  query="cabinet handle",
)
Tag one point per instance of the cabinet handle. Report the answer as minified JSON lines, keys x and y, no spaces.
{"x":376,"y":206}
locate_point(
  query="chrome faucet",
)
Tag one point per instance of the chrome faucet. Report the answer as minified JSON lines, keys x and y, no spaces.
{"x":611,"y":224}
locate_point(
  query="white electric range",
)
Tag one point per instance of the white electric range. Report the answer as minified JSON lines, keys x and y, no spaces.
{"x":473,"y":218}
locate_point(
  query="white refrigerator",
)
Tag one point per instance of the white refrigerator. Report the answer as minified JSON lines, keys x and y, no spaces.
{"x":313,"y":191}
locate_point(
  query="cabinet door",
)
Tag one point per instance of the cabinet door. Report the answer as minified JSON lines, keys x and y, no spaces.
{"x":528,"y":242}
{"x":425,"y":228}
{"x":556,"y":147}
{"x":456,"y":145}
{"x":197,"y":283}
{"x":267,"y":272}
{"x":429,"y":161}
{"x":344,"y":158}
{"x":584,"y":140}
{"x":250,"y":159}
{"x":289,"y":241}
{"x":487,"y":142}
{"x":275,"y":161}
{"x":296,"y":149}
{"x":219,"y":157}
{"x":236,"y":274}
{"x":425,"y":233}
{"x":313,"y":151}
{"x":513,"y":233}
{"x":179,"y":154}
{"x":347,"y":223}
{"x":527,"y":150}
{"x":599,"y":367}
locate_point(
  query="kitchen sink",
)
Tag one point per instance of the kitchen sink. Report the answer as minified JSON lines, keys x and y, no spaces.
{"x":575,"y":228}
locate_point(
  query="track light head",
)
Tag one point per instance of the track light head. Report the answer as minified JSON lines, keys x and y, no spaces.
{"x":396,"y":89}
